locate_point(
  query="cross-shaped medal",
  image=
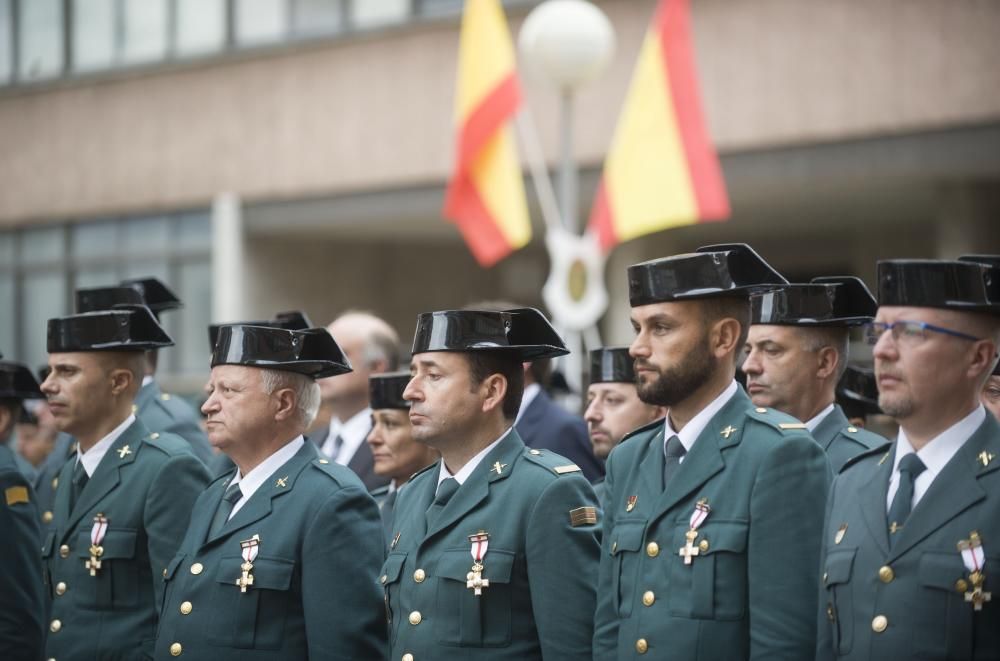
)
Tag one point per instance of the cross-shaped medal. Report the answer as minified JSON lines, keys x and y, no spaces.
{"x":246,"y":579}
{"x":476,"y":581}
{"x":728,"y":431}
{"x":689,"y":551}
{"x":94,"y":563}
{"x":498,"y":467}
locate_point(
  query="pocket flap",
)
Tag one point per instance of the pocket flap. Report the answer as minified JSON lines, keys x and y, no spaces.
{"x":171,"y":569}
{"x":839,"y":565}
{"x":456,"y":564}
{"x":941,"y":570}
{"x":627,"y":536}
{"x":49,"y":544}
{"x":117,"y":544}
{"x":724,"y":536}
{"x":391,"y":568}
{"x":268,"y":573}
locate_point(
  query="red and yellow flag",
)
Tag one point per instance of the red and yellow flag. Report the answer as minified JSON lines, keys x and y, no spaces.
{"x":661,"y":170}
{"x":485,"y":196}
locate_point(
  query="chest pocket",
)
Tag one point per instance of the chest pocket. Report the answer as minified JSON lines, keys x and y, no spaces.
{"x":625,"y":543}
{"x":388,"y":578}
{"x":254,"y":619}
{"x":116,"y":583}
{"x":714,"y":585}
{"x":943,"y":609}
{"x":837,"y":571}
{"x":464,"y":619}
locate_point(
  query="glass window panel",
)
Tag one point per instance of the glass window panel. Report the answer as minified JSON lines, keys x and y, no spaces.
{"x":6,"y":41}
{"x":41,"y":42}
{"x":93,"y":34}
{"x":147,"y":269}
{"x":440,"y":7}
{"x":371,"y":13}
{"x":6,"y":250}
{"x":191,"y":329}
{"x":201,"y":26}
{"x":94,"y":239}
{"x":145,"y":235}
{"x":261,"y":21}
{"x":44,"y":297}
{"x":145,"y":33}
{"x":42,"y":245}
{"x":194,"y":232}
{"x":8,"y":316}
{"x":96,"y":276}
{"x":318,"y":17}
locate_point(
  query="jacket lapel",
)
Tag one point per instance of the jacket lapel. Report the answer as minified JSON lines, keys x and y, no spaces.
{"x":830,"y":426}
{"x":872,"y":500}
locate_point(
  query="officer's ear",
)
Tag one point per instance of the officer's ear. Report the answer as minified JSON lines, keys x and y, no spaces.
{"x":827,"y":360}
{"x":287,"y":406}
{"x":726,"y":337}
{"x":121,"y":379}
{"x":494,"y":389}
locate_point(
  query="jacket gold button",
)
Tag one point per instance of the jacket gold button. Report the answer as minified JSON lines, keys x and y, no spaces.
{"x":961,"y":585}
{"x":407,"y":657}
{"x":648,"y":598}
{"x":55,"y":626}
{"x":47,"y":517}
{"x":830,"y":614}
{"x":885,"y":574}
{"x":60,"y":588}
{"x":853,"y":430}
{"x":824,"y":578}
{"x":652,"y":549}
{"x":164,"y":572}
{"x":55,"y":482}
{"x":880,"y":623}
{"x":419,"y":575}
{"x":154,"y":436}
{"x":186,"y":608}
{"x":641,"y":646}
{"x":197,"y":568}
{"x":176,"y":649}
{"x":703,"y":545}
{"x":415,"y":618}
{"x":63,"y":551}
{"x":761,"y":409}
{"x":382,"y":579}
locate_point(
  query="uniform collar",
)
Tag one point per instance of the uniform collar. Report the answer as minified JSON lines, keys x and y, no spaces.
{"x":692,"y":430}
{"x":253,"y":480}
{"x":463,"y":474}
{"x":940,"y":449}
{"x":92,"y":457}
{"x":813,"y":422}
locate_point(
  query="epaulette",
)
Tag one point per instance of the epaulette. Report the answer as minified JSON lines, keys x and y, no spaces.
{"x":423,"y":470}
{"x":656,"y":424}
{"x":168,"y":444}
{"x":883,"y":450}
{"x":550,"y":461}
{"x":861,"y":435}
{"x":775,"y":419}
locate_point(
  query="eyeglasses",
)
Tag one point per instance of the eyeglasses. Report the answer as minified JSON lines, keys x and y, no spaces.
{"x":909,"y":332}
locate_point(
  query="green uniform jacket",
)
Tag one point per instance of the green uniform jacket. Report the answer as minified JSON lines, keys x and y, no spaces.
{"x":842,"y":440}
{"x":541,"y":568}
{"x":47,"y":478}
{"x":314,"y":594}
{"x":145,"y":486}
{"x":386,"y":504}
{"x":907,"y":603}
{"x":747,"y":594}
{"x":168,"y":414}
{"x":22,"y":607}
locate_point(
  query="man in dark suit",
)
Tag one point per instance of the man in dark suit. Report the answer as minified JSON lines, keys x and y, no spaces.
{"x":345,"y":417}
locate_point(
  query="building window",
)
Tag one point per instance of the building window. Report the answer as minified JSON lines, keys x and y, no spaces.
{"x":261,"y":21}
{"x":144,"y":33}
{"x":6,"y":41}
{"x":374,"y":13}
{"x":200,"y":27}
{"x":93,"y":43}
{"x":39,"y":27}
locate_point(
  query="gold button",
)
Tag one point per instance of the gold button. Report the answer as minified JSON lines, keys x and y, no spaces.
{"x":55,"y":482}
{"x":880,"y":623}
{"x":648,"y":598}
{"x":829,"y":613}
{"x":614,"y":546}
{"x":652,"y":549}
{"x":55,"y":626}
{"x":761,"y":409}
{"x":533,"y":452}
{"x":186,"y":608}
{"x":824,"y":578}
{"x":197,"y":568}
{"x":853,"y":430}
{"x":176,"y":649}
{"x":415,"y":618}
{"x":703,"y":545}
{"x":324,"y":461}
{"x":382,"y":579}
{"x":164,"y":572}
{"x":60,"y":588}
{"x":407,"y":657}
{"x":47,"y":517}
{"x":63,"y":551}
{"x":419,"y":575}
{"x":154,"y":436}
{"x":641,"y":646}
{"x":885,"y":574}
{"x":961,"y":585}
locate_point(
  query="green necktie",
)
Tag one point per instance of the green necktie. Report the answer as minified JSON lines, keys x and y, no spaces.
{"x":910,"y":467}
{"x":445,"y":491}
{"x":80,"y":479}
{"x":229,"y":499}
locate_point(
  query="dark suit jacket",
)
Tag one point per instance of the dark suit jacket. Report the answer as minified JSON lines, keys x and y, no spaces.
{"x":47,"y":478}
{"x":547,"y":426}
{"x":362,"y":463}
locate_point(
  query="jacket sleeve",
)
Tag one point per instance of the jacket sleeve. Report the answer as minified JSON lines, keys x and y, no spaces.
{"x":21,"y":601}
{"x":824,"y":641}
{"x":605,"y":615}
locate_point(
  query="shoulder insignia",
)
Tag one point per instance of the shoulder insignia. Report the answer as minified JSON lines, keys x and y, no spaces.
{"x":775,"y":419}
{"x":760,"y":409}
{"x":985,"y":458}
{"x":852,"y":430}
{"x":582,"y":516}
{"x":165,"y":397}
{"x":15,"y":495}
{"x":792,"y":425}
{"x":551,"y":462}
{"x":568,"y":468}
{"x":884,"y":450}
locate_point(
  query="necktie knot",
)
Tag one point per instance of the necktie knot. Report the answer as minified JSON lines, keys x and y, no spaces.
{"x":233,"y":493}
{"x":911,"y":464}
{"x":446,"y":490}
{"x":675,"y":449}
{"x":80,"y":476}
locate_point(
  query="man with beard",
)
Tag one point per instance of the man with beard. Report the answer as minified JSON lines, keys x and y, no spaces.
{"x":713,"y":516}
{"x":613,"y":405}
{"x":912,"y":531}
{"x":495,"y":547}
{"x":796,"y":352}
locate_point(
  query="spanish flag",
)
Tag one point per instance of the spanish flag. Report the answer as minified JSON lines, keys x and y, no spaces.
{"x":661,"y":170}
{"x":485,"y":196}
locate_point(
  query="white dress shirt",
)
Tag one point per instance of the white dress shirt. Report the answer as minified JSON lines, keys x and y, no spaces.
{"x":530,"y":392}
{"x":253,"y":480}
{"x":463,"y":474}
{"x":353,"y":433}
{"x":692,"y":430}
{"x":814,"y":421}
{"x":92,"y":457}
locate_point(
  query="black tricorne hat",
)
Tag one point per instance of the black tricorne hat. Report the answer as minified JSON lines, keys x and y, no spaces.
{"x":611,"y":365}
{"x":122,"y":328}
{"x":312,"y":352}
{"x":17,"y":382}
{"x":524,"y":333}
{"x":828,"y":301}
{"x":993,"y":261}
{"x":157,"y":295}
{"x":93,"y":299}
{"x":385,"y":391}
{"x":964,"y":286}
{"x":858,"y":386}
{"x":730,"y":269}
{"x":292,"y":320}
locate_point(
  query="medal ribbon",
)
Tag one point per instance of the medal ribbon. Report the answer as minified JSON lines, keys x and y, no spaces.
{"x":99,"y":530}
{"x":973,"y":556}
{"x":479,"y":547}
{"x":250,"y":552}
{"x":699,"y":515}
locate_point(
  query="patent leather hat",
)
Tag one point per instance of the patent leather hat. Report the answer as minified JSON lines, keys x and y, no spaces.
{"x":122,"y":328}
{"x":858,"y":386}
{"x":17,"y":382}
{"x":611,"y":365}
{"x":385,"y":391}
{"x":293,"y":320}
{"x":312,"y":352}
{"x":830,"y":301}
{"x":965,"y":286}
{"x":155,"y":293}
{"x":524,"y":333}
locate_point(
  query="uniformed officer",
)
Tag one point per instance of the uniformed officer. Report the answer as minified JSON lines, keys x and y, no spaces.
{"x":63,"y":447}
{"x":123,"y":500}
{"x":911,"y":538}
{"x":22,"y":606}
{"x":281,"y":556}
{"x":494,"y":548}
{"x":990,"y":395}
{"x":397,"y":456}
{"x":613,"y":405}
{"x":796,"y":352}
{"x":17,"y":384}
{"x":857,"y":395}
{"x":713,"y":517}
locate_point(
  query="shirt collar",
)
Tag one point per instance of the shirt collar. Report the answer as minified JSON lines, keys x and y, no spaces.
{"x":692,"y":430}
{"x":92,"y":457}
{"x":813,"y":422}
{"x":940,"y":449}
{"x":463,"y":474}
{"x":146,"y":380}
{"x":530,"y":392}
{"x":253,"y":480}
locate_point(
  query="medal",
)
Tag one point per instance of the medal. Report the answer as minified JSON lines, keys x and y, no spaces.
{"x":474,"y":579}
{"x":974,"y":557}
{"x":96,"y":537}
{"x":250,"y":548}
{"x":689,"y":551}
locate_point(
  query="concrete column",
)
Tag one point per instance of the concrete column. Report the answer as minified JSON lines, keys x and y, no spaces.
{"x":228,"y":259}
